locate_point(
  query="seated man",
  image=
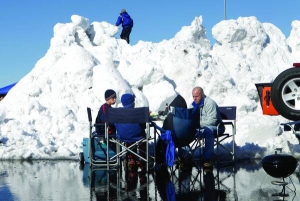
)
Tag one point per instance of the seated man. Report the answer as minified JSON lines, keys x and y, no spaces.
{"x":130,"y":132}
{"x":209,"y":118}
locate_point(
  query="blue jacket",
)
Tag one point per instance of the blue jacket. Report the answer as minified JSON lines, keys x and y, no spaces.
{"x":125,"y":20}
{"x":130,"y":132}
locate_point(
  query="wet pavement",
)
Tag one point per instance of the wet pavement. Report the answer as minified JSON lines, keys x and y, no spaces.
{"x":69,"y":181}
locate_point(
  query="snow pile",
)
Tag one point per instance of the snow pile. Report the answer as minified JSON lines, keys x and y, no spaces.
{"x":44,"y":115}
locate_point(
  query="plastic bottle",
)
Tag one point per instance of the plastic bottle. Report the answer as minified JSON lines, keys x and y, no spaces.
{"x":167,"y":109}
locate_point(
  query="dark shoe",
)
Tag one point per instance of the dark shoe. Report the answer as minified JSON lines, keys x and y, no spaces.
{"x":207,"y":163}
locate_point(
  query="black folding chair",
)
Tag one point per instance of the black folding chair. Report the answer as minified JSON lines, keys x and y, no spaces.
{"x":228,"y":114}
{"x":293,"y":126}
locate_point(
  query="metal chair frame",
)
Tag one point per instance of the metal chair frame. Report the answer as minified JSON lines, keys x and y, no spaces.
{"x":292,"y":126}
{"x":130,"y":115}
{"x":110,"y":161}
{"x":228,"y":114}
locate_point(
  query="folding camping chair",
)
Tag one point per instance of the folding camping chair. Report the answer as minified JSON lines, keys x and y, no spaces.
{"x":131,"y":116}
{"x":97,"y":149}
{"x":293,"y":126}
{"x":228,"y":114}
{"x":178,"y":131}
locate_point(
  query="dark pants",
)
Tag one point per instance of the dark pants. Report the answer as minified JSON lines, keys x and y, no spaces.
{"x":160,"y":152}
{"x":126,"y":33}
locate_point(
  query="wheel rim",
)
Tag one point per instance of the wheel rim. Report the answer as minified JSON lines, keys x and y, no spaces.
{"x":291,"y":94}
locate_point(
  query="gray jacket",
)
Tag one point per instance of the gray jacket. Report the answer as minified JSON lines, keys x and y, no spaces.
{"x":210,"y":114}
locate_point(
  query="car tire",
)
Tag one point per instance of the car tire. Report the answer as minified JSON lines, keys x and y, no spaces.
{"x":285,"y":93}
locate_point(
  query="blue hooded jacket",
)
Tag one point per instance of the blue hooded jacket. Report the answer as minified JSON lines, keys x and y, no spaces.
{"x":130,"y":132}
{"x":125,"y":20}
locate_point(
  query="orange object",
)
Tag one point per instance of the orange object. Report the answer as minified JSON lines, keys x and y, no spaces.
{"x":264,"y":92}
{"x":267,"y":105}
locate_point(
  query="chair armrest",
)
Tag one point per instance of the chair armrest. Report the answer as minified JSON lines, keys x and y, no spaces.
{"x":290,"y":123}
{"x":99,"y":135}
{"x":290,"y":127}
{"x":228,"y":123}
{"x":99,"y":124}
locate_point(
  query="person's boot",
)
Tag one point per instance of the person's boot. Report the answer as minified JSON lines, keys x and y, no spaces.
{"x":208,"y":163}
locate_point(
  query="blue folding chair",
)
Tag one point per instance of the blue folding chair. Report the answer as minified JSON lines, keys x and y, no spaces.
{"x":179,"y":129}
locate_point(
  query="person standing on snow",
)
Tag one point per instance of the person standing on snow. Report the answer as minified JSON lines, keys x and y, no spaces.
{"x":127,"y":24}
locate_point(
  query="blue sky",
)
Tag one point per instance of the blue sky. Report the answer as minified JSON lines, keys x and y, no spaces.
{"x":27,"y":26}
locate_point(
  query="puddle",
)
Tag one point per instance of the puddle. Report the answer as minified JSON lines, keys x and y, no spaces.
{"x":67,"y":180}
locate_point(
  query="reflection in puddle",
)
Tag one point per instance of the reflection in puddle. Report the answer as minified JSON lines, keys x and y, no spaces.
{"x":67,"y":180}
